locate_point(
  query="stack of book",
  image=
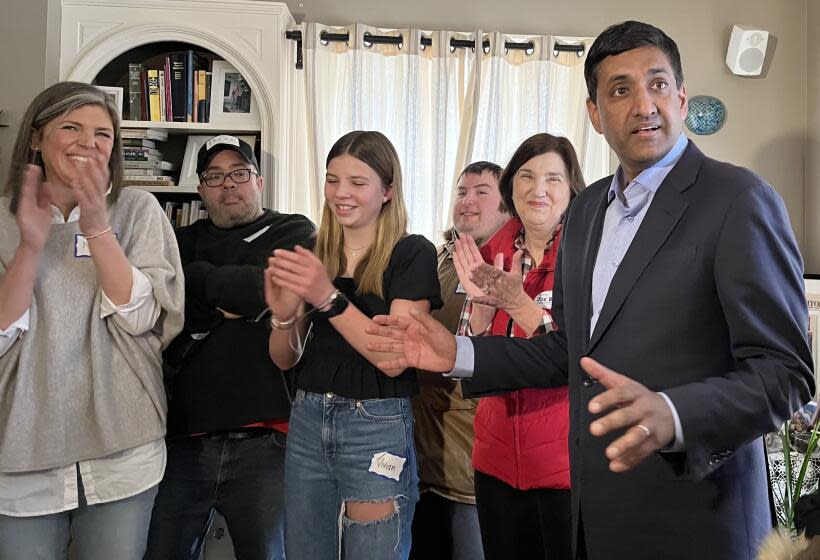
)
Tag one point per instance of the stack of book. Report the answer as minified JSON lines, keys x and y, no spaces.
{"x":143,"y":162}
{"x":186,"y":213}
{"x":177,"y":92}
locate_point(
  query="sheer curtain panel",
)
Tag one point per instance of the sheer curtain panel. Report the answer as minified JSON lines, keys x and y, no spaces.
{"x":442,"y":107}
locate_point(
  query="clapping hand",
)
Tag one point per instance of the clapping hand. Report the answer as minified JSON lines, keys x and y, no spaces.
{"x":33,"y":210}
{"x":301,"y":272}
{"x":281,"y":301}
{"x":487,"y":284}
{"x":466,"y":259}
{"x":90,"y":183}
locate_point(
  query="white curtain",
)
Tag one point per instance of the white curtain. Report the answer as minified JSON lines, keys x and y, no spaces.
{"x":524,"y":92}
{"x":441,"y":107}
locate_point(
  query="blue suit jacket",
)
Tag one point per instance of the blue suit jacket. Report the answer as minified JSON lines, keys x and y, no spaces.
{"x":707,"y":306}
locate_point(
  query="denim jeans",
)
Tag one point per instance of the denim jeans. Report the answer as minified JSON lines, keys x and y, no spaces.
{"x":342,"y":450}
{"x":98,"y":532}
{"x":240,"y":478}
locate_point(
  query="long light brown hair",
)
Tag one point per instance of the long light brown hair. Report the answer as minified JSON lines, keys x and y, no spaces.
{"x":374,"y":149}
{"x":53,"y":102}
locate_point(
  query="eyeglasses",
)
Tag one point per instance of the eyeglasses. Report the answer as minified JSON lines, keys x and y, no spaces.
{"x":238,"y":176}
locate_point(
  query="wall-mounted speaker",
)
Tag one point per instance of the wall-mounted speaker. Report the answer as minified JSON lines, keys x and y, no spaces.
{"x":747,"y":50}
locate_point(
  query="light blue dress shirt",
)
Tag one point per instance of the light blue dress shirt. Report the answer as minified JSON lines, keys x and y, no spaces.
{"x":626,"y":210}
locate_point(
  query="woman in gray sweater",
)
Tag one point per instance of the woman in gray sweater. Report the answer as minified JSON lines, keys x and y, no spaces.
{"x":91,"y":290}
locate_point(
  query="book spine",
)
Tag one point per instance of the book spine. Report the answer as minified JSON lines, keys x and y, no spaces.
{"x":144,"y":95}
{"x":139,"y":156}
{"x":178,"y":85}
{"x":169,"y":109}
{"x":153,"y":95}
{"x":203,"y":96}
{"x":186,"y":213}
{"x":195,"y":207}
{"x":147,"y":182}
{"x":147,"y":179}
{"x":189,"y":77}
{"x":134,"y":91}
{"x":195,"y":96}
{"x":141,"y":150}
{"x":208,"y":76}
{"x":145,"y":164}
{"x":162,"y":96}
{"x":138,"y":143}
{"x":147,"y":173}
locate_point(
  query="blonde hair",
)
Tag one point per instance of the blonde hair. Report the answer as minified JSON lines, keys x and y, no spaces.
{"x":374,"y":149}
{"x":57,"y":101}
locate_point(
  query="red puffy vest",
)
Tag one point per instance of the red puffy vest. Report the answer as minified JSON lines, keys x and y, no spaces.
{"x":521,"y":437}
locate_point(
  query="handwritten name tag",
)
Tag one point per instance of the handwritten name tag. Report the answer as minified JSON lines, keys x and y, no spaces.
{"x":81,"y":246}
{"x":544,"y":300}
{"x":387,"y":464}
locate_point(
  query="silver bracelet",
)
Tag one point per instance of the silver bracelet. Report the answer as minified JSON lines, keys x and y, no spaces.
{"x":282,"y":325}
{"x":325,"y":305}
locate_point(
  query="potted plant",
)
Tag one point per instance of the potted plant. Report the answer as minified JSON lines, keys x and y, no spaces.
{"x":798,"y":440}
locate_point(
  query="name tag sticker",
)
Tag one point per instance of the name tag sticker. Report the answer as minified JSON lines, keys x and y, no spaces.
{"x":81,"y":246}
{"x":544,"y":300}
{"x":387,"y":464}
{"x":81,"y":249}
{"x":460,"y":289}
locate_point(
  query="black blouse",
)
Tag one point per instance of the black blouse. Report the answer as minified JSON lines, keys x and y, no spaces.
{"x":330,"y":364}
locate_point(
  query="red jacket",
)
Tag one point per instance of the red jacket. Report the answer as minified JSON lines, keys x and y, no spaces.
{"x":521,"y":437}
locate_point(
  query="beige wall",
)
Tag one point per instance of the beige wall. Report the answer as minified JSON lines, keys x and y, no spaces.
{"x":22,"y":63}
{"x":765,"y":128}
{"x":811,"y":248}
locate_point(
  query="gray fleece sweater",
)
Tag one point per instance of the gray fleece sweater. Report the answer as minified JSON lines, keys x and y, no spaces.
{"x":77,"y":387}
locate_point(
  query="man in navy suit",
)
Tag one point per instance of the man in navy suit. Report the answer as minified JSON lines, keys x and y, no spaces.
{"x":682,"y":327}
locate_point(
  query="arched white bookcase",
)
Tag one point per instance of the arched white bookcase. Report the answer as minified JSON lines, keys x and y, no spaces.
{"x":249,"y":34}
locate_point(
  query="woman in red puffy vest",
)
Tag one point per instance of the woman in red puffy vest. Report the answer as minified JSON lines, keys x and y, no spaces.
{"x":520,"y":453}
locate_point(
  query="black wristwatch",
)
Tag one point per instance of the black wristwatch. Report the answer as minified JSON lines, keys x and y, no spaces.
{"x":336,"y":304}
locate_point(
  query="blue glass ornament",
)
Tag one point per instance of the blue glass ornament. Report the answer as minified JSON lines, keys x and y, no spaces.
{"x":706,"y":114}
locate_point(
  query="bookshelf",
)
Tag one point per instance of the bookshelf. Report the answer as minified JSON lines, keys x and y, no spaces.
{"x":166,"y":190}
{"x":99,"y":38}
{"x":191,"y":128}
{"x":174,"y":117}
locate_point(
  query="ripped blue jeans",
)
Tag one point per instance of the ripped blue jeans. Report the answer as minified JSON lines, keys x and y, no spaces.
{"x":342,"y":450}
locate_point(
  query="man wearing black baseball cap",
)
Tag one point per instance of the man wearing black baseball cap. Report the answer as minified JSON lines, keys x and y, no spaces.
{"x":229,"y":181}
{"x":228,"y":405}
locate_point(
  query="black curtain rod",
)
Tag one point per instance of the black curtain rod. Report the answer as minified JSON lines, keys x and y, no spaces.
{"x":296,"y":36}
{"x":370,"y":39}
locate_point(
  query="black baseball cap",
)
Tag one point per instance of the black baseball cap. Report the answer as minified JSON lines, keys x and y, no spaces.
{"x":220,"y":143}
